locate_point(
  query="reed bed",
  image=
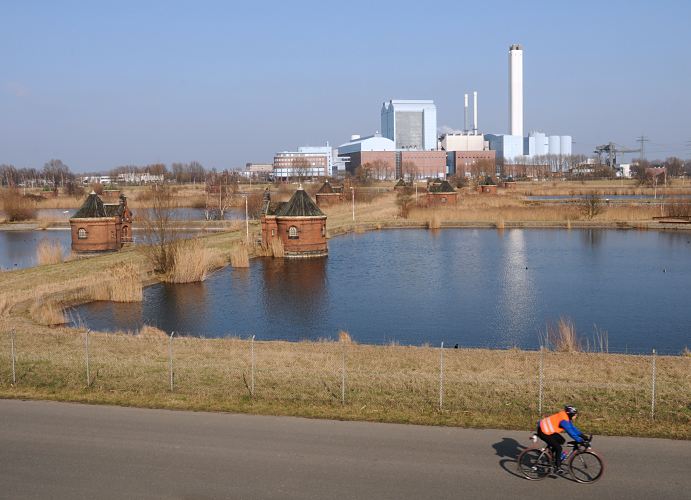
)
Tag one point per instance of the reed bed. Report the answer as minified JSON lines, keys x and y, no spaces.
{"x":434,"y":221}
{"x":49,"y":252}
{"x":484,"y":388}
{"x":239,"y":256}
{"x":277,"y":249}
{"x":192,"y":262}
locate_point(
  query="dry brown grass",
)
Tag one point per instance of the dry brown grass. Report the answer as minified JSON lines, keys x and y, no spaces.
{"x":47,"y":313}
{"x":482,"y":388}
{"x":277,"y":249}
{"x":239,"y":256}
{"x":16,"y":207}
{"x":434,"y":221}
{"x":5,"y":306}
{"x":49,"y":252}
{"x":152,"y":332}
{"x":562,"y":336}
{"x":127,"y":285}
{"x":192,"y":261}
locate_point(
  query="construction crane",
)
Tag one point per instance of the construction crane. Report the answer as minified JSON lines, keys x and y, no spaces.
{"x":612,"y":150}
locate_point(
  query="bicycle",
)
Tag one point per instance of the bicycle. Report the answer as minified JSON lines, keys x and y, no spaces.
{"x":584,"y":463}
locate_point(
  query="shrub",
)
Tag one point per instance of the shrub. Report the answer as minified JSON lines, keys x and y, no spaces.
{"x":591,"y":206}
{"x":17,"y":207}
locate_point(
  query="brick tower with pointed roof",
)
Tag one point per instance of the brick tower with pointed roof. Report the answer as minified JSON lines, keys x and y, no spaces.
{"x":298,"y":223}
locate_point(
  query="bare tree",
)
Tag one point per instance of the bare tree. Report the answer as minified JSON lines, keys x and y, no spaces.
{"x":591,"y":206}
{"x":675,"y":167}
{"x":159,"y":234}
{"x":409,"y":170}
{"x":405,"y":200}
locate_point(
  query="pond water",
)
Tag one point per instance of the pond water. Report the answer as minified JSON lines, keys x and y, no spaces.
{"x":18,"y":248}
{"x":472,"y":287}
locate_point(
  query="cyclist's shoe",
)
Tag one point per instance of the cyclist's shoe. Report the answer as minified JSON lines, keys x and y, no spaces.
{"x":560,"y":471}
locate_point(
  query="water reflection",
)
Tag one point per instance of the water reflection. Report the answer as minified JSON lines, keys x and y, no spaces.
{"x":472,"y":287}
{"x":183,"y":303}
{"x":295,"y":291}
{"x":593,"y":237}
{"x":516,"y":301}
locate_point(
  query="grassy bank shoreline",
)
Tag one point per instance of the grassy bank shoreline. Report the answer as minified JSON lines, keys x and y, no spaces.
{"x":342,"y":380}
{"x":484,"y":388}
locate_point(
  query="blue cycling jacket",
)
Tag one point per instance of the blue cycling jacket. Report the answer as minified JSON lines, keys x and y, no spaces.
{"x":571,"y":430}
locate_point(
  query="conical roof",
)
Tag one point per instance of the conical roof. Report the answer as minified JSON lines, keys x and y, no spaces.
{"x":92,"y":207}
{"x":326,"y":188}
{"x":442,"y":187}
{"x":400,"y":183}
{"x":299,"y":205}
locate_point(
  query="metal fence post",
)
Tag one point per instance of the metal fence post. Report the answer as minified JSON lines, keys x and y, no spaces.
{"x":86,"y":351}
{"x":652,"y":400}
{"x":170,"y":360}
{"x":14,"y":357}
{"x":343,"y":371}
{"x":441,"y":376}
{"x":252,"y":362}
{"x":541,"y":379}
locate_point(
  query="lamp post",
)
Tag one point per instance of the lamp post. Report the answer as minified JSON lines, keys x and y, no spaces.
{"x":352,"y":192}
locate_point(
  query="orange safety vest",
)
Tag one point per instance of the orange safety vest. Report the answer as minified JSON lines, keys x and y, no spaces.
{"x":550,"y":425}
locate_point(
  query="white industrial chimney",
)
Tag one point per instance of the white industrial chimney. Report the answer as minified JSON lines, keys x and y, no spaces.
{"x":516,"y":90}
{"x":465,"y":112}
{"x":475,"y":113}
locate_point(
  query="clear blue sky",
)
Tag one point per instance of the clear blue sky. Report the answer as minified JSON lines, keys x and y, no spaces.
{"x":102,"y":84}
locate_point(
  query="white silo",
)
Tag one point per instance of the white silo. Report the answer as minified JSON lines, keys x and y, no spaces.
{"x":541,"y":146}
{"x":516,"y":90}
{"x":565,"y":143}
{"x":554,"y":145}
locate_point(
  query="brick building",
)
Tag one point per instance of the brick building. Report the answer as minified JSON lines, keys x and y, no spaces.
{"x":298,"y":223}
{"x":100,"y":227}
{"x":329,"y":195}
{"x":441,"y":193}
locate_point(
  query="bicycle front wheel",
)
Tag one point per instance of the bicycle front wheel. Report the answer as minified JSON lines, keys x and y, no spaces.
{"x":535,"y":464}
{"x":586,"y":466}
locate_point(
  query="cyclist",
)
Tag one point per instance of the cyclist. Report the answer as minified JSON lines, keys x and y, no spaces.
{"x":549,"y":430}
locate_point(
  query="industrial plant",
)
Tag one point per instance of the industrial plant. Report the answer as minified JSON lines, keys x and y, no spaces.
{"x":408,"y":145}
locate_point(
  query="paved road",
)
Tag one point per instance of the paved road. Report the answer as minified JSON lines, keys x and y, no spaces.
{"x":58,"y":450}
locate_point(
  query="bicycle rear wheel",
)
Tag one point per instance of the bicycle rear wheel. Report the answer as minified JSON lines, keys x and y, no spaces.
{"x":586,"y":466}
{"x":535,"y":463}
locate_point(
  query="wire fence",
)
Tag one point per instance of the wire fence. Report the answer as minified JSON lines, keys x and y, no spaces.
{"x":391,"y":379}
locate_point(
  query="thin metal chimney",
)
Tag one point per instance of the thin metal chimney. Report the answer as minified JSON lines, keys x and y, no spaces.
{"x":475,"y":113}
{"x":465,"y":113}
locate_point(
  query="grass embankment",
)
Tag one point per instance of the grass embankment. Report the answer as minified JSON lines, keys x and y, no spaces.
{"x":481,"y":388}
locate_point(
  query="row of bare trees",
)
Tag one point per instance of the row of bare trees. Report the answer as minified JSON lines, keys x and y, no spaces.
{"x":54,"y":173}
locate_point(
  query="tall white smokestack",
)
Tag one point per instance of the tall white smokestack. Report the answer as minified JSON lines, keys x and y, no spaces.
{"x":516,"y":90}
{"x":465,"y":113}
{"x":475,"y":113}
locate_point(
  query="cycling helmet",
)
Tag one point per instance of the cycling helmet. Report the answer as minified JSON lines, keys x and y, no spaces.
{"x":571,"y":411}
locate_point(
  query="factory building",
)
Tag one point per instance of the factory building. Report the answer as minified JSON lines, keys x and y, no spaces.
{"x":507,"y":147}
{"x":306,"y":162}
{"x":539,"y":144}
{"x":411,"y":124}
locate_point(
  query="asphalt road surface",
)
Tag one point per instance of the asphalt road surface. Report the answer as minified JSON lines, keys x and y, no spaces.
{"x":59,"y":450}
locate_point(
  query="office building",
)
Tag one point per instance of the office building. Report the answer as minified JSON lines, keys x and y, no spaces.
{"x":412,"y":125}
